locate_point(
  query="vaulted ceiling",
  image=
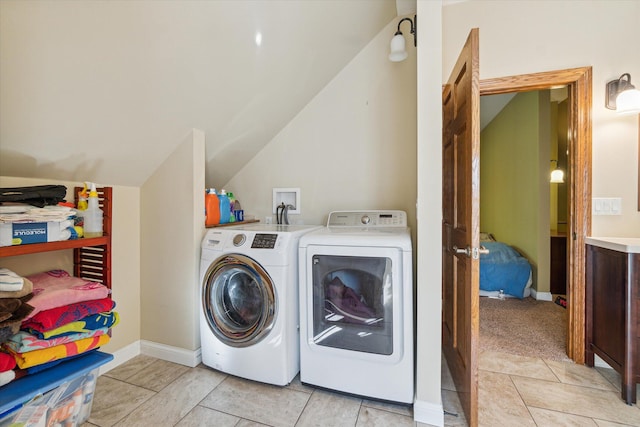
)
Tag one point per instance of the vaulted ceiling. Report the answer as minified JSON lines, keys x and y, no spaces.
{"x":106,"y":90}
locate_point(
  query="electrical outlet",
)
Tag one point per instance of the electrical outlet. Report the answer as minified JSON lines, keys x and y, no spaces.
{"x":267,"y":219}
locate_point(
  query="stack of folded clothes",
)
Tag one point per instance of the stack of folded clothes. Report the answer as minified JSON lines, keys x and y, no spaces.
{"x":15,"y":291}
{"x":70,"y":317}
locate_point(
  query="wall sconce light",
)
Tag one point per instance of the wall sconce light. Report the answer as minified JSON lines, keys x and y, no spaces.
{"x":622,"y":96}
{"x":557,"y":175}
{"x":398,"y":50}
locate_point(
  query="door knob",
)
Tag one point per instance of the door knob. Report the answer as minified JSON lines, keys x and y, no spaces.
{"x":474,"y":253}
{"x":466,"y":251}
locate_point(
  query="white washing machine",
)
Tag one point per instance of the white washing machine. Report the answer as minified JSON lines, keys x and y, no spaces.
{"x":356,"y":306}
{"x":249,"y":301}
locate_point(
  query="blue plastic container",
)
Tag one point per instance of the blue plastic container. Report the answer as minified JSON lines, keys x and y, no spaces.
{"x":225,"y":207}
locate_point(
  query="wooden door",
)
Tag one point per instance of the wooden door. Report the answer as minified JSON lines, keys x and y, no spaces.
{"x":461,"y":225}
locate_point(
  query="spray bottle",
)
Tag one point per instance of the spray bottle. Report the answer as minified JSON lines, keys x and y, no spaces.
{"x":81,"y":206}
{"x":83,"y":198}
{"x":93,"y":215}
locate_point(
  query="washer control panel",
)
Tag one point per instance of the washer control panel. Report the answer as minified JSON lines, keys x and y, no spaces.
{"x":264,"y":241}
{"x":367,"y":219}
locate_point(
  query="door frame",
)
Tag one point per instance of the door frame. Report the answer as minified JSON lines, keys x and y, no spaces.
{"x":578,"y":82}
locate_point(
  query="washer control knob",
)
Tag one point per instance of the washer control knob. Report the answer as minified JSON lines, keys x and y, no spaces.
{"x":365,"y":219}
{"x":239,"y":239}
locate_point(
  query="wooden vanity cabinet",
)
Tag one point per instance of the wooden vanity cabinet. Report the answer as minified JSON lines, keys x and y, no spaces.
{"x":612,"y":308}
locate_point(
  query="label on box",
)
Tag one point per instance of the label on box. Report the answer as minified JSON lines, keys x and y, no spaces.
{"x":22,"y":233}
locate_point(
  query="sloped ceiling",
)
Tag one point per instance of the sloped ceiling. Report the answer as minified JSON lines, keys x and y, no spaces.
{"x":105,"y":90}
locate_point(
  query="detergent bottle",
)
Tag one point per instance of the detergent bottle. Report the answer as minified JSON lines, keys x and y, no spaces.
{"x":225,"y":208}
{"x":93,"y":215}
{"x":211,"y":208}
{"x":232,"y":201}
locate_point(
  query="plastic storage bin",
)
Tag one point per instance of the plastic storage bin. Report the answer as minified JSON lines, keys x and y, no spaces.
{"x":61,"y":395}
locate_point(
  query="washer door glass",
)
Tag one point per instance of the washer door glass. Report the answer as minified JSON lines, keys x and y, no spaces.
{"x":238,"y":299}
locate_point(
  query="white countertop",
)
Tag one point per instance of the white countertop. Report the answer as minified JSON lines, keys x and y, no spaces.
{"x":630,"y":245}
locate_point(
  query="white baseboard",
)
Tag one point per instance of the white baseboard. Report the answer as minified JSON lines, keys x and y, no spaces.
{"x":541,"y":296}
{"x":169,"y":353}
{"x":150,"y":348}
{"x":428,"y":413}
{"x":121,"y":356}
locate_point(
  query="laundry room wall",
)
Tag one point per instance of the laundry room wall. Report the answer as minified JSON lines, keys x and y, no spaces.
{"x":125,"y":257}
{"x":352,"y":147}
{"x":172,"y":227}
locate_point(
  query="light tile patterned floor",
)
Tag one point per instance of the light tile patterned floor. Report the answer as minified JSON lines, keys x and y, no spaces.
{"x":514,"y":391}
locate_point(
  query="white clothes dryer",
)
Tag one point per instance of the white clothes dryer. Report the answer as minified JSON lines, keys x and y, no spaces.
{"x":249,"y":301}
{"x":356,"y":306}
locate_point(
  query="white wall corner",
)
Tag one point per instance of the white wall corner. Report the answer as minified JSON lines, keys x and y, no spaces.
{"x":428,"y":413}
{"x":169,"y":353}
{"x":121,"y":356}
{"x":541,"y":296}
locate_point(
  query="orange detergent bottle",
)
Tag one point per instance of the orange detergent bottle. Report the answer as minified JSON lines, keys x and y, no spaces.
{"x":211,"y":208}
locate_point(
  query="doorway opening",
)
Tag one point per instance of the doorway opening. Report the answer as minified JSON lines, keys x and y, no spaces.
{"x":523,"y":222}
{"x":578,"y":83}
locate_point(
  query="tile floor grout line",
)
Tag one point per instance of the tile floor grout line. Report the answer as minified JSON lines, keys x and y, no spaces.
{"x":303,"y":408}
{"x":578,"y":415}
{"x":133,"y":409}
{"x":522,"y":400}
{"x":358,"y":414}
{"x":552,"y":371}
{"x":552,"y":382}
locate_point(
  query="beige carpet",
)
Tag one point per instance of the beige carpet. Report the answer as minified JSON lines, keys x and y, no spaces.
{"x":526,"y":327}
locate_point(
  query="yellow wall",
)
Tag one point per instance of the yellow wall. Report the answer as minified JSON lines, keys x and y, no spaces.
{"x":512,"y":149}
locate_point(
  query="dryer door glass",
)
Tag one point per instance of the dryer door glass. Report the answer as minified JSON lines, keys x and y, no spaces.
{"x":353,"y":303}
{"x":238,"y":298}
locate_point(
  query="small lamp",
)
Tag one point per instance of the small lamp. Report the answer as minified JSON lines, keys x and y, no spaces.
{"x":622,"y":96}
{"x":398,"y":50}
{"x":557,"y":176}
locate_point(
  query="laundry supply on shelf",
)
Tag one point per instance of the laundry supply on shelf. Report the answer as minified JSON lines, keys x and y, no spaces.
{"x":93,"y":215}
{"x":211,"y":208}
{"x":37,"y":225}
{"x":83,"y":199}
{"x":237,"y":211}
{"x":232,"y":200}
{"x":225,"y":207}
{"x":81,"y":206}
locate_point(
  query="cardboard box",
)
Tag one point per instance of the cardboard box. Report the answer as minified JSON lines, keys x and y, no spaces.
{"x":21,"y":233}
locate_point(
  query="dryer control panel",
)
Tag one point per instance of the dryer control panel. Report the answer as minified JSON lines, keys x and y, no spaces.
{"x":367,"y":219}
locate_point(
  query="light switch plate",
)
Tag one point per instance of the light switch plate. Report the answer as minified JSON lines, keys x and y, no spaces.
{"x":606,"y":206}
